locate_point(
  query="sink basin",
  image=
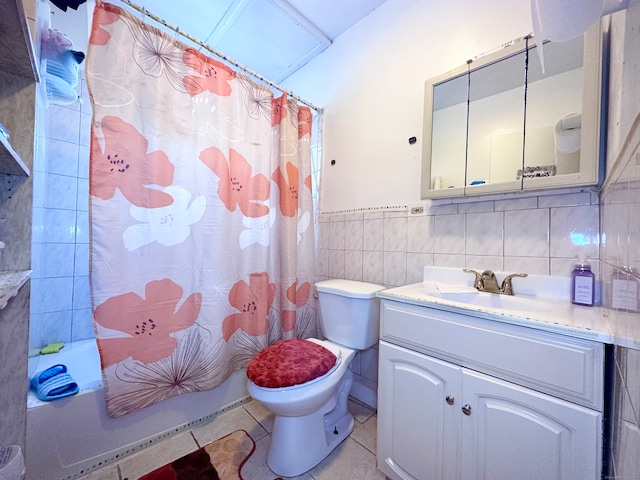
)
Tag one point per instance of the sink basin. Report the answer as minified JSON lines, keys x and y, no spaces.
{"x":519,"y":303}
{"x":455,"y":280}
{"x":533,"y":295}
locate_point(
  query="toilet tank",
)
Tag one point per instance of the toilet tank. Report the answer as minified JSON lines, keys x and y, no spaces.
{"x":349,"y":312}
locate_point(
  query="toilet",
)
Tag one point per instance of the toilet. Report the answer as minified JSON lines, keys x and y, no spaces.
{"x":310,"y":403}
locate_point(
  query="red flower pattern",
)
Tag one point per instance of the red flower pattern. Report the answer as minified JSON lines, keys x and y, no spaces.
{"x":298,"y":297}
{"x":304,"y":121}
{"x":288,"y":189}
{"x":148,"y":322}
{"x":125,"y":164}
{"x":254,"y":301}
{"x":278,"y":109}
{"x":237,"y":186}
{"x":103,"y":15}
{"x":215,"y":76}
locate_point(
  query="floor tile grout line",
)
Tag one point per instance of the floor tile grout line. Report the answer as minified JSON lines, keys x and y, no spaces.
{"x":258,"y":422}
{"x":195,"y":439}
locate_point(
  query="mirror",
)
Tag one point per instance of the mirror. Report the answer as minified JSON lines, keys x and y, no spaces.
{"x":496,"y":123}
{"x":448,"y":145}
{"x":501,"y":124}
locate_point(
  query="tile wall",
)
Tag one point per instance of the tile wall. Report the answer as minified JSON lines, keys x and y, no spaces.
{"x":60,"y":301}
{"x":538,"y":234}
{"x":620,"y":204}
{"x":620,"y":220}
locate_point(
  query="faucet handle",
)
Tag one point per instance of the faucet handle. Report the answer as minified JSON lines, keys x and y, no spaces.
{"x":478,"y":284}
{"x":507,"y":287}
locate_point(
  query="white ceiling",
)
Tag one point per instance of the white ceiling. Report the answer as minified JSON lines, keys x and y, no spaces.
{"x":272,"y":37}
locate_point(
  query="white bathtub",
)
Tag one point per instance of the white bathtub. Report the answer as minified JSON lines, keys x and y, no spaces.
{"x":72,"y":436}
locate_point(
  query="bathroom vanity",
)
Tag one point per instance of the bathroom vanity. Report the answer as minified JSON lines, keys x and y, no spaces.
{"x":488,"y":393}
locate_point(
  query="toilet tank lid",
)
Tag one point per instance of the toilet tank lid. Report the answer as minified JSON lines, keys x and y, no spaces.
{"x":349,"y":288}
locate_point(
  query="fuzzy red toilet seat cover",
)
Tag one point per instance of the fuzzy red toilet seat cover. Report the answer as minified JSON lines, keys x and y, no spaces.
{"x":290,"y":362}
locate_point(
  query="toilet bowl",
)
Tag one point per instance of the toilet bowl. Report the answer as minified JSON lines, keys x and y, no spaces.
{"x":311,"y":418}
{"x":301,"y":435}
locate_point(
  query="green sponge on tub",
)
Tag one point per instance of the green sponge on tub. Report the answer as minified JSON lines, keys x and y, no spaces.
{"x":51,"y":348}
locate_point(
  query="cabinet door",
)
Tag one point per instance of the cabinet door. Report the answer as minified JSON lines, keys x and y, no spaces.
{"x":418,"y":415}
{"x":510,"y":432}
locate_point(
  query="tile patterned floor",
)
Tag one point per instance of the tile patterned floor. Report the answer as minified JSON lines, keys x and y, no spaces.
{"x":353,"y":459}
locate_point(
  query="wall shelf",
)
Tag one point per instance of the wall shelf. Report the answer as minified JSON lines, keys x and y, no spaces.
{"x":10,"y":161}
{"x":10,"y":283}
{"x":18,"y":57}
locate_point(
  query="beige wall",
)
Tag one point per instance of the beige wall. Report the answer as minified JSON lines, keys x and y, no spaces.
{"x":371,"y":83}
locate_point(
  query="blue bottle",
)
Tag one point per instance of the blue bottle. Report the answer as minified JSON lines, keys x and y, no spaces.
{"x":582,"y":284}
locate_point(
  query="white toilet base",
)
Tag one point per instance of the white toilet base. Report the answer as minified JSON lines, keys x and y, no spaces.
{"x":299,"y":443}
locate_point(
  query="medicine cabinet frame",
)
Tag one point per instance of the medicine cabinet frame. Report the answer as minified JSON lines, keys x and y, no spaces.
{"x":591,"y":155}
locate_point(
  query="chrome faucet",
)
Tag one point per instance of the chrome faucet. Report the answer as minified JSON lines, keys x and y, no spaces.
{"x":507,"y":287}
{"x":487,"y":282}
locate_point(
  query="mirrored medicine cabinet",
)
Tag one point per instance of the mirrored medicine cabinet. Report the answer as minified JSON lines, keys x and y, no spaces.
{"x":501,"y":124}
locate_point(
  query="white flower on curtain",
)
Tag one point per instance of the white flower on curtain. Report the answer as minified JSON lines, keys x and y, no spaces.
{"x":257,"y":231}
{"x":110,"y":94}
{"x":304,"y":220}
{"x":168,"y":225}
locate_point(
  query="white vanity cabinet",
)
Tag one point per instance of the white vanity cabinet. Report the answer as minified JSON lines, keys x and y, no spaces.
{"x":468,"y":398}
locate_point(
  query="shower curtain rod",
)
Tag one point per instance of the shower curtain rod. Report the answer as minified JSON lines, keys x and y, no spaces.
{"x":218,"y":54}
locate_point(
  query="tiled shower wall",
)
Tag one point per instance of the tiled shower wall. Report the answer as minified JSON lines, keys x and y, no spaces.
{"x":60,"y":301}
{"x":538,"y":234}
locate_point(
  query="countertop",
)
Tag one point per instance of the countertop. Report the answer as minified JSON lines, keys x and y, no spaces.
{"x":554,"y":315}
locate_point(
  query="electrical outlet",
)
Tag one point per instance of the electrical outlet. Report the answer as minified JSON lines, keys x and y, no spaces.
{"x":417,"y":210}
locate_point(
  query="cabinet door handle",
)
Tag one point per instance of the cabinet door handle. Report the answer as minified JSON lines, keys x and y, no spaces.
{"x":449,"y":399}
{"x":466,"y":409}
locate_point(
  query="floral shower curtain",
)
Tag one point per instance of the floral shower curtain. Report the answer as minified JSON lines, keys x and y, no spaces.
{"x":201,"y":214}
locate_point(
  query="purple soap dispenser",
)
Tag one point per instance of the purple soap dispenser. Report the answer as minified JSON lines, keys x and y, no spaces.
{"x":582,"y":284}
